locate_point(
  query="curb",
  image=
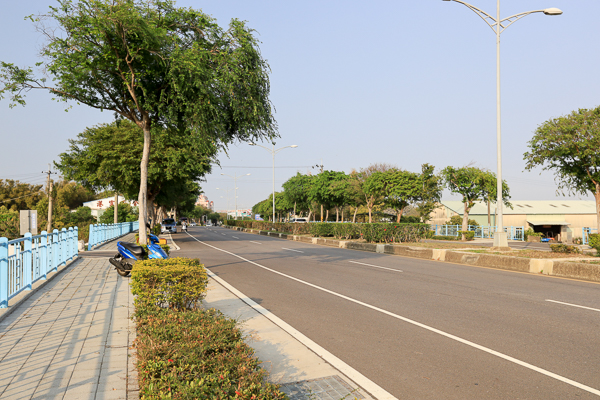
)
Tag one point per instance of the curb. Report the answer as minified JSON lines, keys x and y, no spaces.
{"x":550,"y":267}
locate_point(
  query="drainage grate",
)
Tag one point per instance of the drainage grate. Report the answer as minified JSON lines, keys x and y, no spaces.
{"x":329,"y":388}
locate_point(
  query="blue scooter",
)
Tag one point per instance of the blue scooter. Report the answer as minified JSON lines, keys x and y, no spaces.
{"x":129,"y":253}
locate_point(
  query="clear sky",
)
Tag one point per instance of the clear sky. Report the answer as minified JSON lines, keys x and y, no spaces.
{"x":355,"y":82}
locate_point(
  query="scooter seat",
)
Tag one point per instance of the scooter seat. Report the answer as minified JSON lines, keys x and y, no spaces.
{"x":136,"y":250}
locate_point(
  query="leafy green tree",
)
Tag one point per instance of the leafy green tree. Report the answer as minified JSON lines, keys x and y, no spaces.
{"x":399,"y":188}
{"x":125,"y":213}
{"x":457,"y":220}
{"x":296,"y":190}
{"x":108,"y":155}
{"x":470,"y":182}
{"x":569,"y":146}
{"x":339,"y":192}
{"x":264,"y":208}
{"x":156,"y":65}
{"x":15,"y":195}
{"x":431,"y":192}
{"x":361,"y":185}
{"x":71,"y":194}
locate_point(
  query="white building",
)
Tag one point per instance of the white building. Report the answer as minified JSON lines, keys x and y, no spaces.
{"x":99,"y":206}
{"x":204,"y":202}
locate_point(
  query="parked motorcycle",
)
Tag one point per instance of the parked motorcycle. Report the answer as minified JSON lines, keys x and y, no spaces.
{"x":129,"y":253}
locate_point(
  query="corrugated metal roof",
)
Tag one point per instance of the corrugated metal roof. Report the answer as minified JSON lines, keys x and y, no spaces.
{"x":529,"y":207}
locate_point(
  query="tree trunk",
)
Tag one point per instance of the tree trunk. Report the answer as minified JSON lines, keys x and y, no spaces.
{"x":116,"y":209}
{"x":342,"y":214}
{"x":399,"y":213}
{"x":370,"y":220}
{"x":309,"y":214}
{"x":143,"y":195}
{"x":489,"y":215}
{"x":321,"y":212}
{"x":354,"y":217}
{"x":327,"y":215}
{"x":465,"y":224}
{"x":337,"y":214}
{"x":294,"y":209}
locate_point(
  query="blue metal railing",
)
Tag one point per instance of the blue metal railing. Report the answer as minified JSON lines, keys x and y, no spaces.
{"x":585,"y":232}
{"x":102,"y":233}
{"x":481,"y":232}
{"x":26,"y":260}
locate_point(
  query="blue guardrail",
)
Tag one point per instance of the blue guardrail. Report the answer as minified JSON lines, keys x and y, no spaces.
{"x":102,"y":233}
{"x":26,"y":260}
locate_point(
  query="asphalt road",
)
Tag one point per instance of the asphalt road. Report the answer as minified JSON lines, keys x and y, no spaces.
{"x":420,"y":329}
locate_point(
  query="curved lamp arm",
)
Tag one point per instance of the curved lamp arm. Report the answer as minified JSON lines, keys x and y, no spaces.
{"x":482,"y":14}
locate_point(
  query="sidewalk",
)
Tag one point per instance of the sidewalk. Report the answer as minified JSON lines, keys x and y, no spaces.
{"x":71,"y":338}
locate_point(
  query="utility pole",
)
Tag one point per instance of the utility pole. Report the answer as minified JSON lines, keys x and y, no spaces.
{"x":320,"y":166}
{"x":50,"y":198}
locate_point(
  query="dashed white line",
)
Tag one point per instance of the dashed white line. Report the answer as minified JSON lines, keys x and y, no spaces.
{"x":573,"y":305}
{"x":506,"y":357}
{"x":251,"y":241}
{"x":375,"y":266}
{"x":235,"y":237}
{"x":297,"y":251}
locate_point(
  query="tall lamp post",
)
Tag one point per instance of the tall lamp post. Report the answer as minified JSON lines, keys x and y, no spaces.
{"x":498,"y":26}
{"x":235,"y":178}
{"x":227,"y":195}
{"x":273,"y":152}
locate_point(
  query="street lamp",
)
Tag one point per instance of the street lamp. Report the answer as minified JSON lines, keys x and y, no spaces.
{"x":273,"y":152}
{"x":235,"y":178}
{"x":498,"y":26}
{"x":227,"y":195}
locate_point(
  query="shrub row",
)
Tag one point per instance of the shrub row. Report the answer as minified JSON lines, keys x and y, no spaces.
{"x":564,"y":248}
{"x":184,"y":351}
{"x":373,"y":233}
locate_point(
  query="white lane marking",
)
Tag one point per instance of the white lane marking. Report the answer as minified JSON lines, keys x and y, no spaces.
{"x":235,"y":237}
{"x":297,"y":251}
{"x":223,"y":234}
{"x":251,"y":241}
{"x":173,"y":241}
{"x":573,"y":305}
{"x":429,"y":328}
{"x":375,"y":266}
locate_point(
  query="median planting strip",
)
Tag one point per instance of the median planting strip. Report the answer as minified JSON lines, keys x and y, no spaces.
{"x":563,"y":268}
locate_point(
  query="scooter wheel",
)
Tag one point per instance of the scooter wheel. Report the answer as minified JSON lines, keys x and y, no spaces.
{"x":122,"y":273}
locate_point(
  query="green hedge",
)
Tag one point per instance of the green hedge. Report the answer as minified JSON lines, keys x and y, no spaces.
{"x":594,"y":241}
{"x":564,"y":248}
{"x":442,"y":237}
{"x":469,"y":235}
{"x":185,"y":352}
{"x":373,"y":233}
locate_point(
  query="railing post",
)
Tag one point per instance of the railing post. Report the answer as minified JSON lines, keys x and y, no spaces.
{"x":76,"y":238}
{"x":55,"y":249}
{"x":27,"y":261}
{"x":43,"y":252}
{"x":71,"y":247}
{"x":90,"y":237}
{"x":63,"y":241}
{"x":3,"y":272}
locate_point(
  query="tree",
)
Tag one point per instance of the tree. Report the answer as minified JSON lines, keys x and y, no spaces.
{"x":431,"y":192}
{"x":470,"y":182}
{"x":125,"y":213}
{"x":17,"y":196}
{"x":399,"y":188}
{"x":108,"y":155}
{"x":156,"y":65}
{"x":339,"y":192}
{"x":296,"y":191}
{"x":369,"y":189}
{"x":569,"y":146}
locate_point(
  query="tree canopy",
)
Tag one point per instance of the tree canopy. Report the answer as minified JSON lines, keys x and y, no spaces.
{"x":568,"y":146}
{"x":156,"y":65}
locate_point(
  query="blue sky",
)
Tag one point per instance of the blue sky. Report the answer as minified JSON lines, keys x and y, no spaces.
{"x":354,"y":83}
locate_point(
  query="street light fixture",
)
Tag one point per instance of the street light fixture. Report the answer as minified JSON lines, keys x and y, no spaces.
{"x":235,"y":178}
{"x":227,"y":195}
{"x":273,"y":152}
{"x":498,"y":26}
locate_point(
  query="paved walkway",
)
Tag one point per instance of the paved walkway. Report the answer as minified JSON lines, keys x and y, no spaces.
{"x":71,"y":338}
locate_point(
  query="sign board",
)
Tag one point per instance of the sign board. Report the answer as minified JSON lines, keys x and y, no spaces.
{"x":28,"y":222}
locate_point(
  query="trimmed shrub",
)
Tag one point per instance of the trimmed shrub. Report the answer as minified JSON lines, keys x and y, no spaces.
{"x":564,"y":248}
{"x":197,"y":355}
{"x":175,"y":283}
{"x":469,"y":235}
{"x":321,"y":229}
{"x":594,"y":241}
{"x":441,"y":237}
{"x":530,"y":232}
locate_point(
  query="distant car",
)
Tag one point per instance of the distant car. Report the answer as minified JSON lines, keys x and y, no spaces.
{"x":209,"y":223}
{"x":300,"y":220}
{"x":192,"y":223}
{"x":168,"y":226}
